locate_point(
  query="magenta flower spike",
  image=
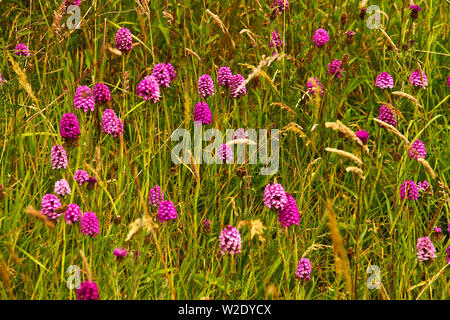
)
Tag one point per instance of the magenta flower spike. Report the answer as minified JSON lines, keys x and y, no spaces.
{"x":415,"y":9}
{"x":124,"y":40}
{"x":167,"y":211}
{"x":59,"y":157}
{"x":22,"y":50}
{"x":417,"y":150}
{"x":111,"y":124}
{"x":289,"y":215}
{"x":161,"y":74}
{"x":224,"y":77}
{"x":334,"y":68}
{"x":69,"y":128}
{"x":276,"y":42}
{"x":225,"y":153}
{"x":205,"y":86}
{"x":236,"y":82}
{"x":417,"y":80}
{"x":101,"y":93}
{"x":425,"y":250}
{"x":313,"y":85}
{"x":155,"y":196}
{"x":240,"y":133}
{"x":81,"y":177}
{"x":72,"y":214}
{"x":62,"y":187}
{"x":280,"y":6}
{"x":409,"y":190}
{"x":171,"y":71}
{"x":149,"y":89}
{"x":387,"y":115}
{"x":321,"y":37}
{"x":303,"y":271}
{"x":202,"y":114}
{"x":49,"y":204}
{"x":88,"y":291}
{"x":89,"y":224}
{"x":84,"y":99}
{"x":120,"y":253}
{"x":384,"y":80}
{"x":363,"y":136}
{"x":230,"y":241}
{"x":275,"y":197}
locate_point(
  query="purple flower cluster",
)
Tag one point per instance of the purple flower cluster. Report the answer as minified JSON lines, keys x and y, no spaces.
{"x":384,"y":80}
{"x":89,"y":224}
{"x":417,"y":150}
{"x":314,"y":86}
{"x":240,"y":133}
{"x":416,"y":79}
{"x":409,"y":190}
{"x":280,"y":6}
{"x":387,"y":115}
{"x":69,"y":127}
{"x":49,"y":204}
{"x":111,"y":124}
{"x":303,"y":269}
{"x":415,"y":9}
{"x":225,"y":77}
{"x":335,"y":68}
{"x":101,"y":93}
{"x":425,"y":250}
{"x":124,"y":40}
{"x":72,"y":214}
{"x":289,"y":215}
{"x":275,"y":196}
{"x":167,"y":211}
{"x":321,"y":37}
{"x":59,"y":157}
{"x":62,"y":187}
{"x":205,"y":86}
{"x":22,"y":50}
{"x":225,"y":153}
{"x":84,"y":99}
{"x":363,"y":136}
{"x":202,"y":114}
{"x":81,"y":177}
{"x":276,"y":42}
{"x":163,"y":73}
{"x":230,"y":241}
{"x":423,"y":186}
{"x":155,"y":196}
{"x":238,"y":81}
{"x":120,"y":253}
{"x":88,"y":291}
{"x":148,"y":89}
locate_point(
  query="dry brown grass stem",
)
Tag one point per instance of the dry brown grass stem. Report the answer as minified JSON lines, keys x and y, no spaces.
{"x":32,"y":212}
{"x":339,"y":126}
{"x":345,"y":154}
{"x":221,"y":25}
{"x":407,"y":96}
{"x":427,"y":167}
{"x":356,"y":170}
{"x":394,"y":131}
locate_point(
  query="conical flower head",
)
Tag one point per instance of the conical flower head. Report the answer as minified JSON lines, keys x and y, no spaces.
{"x":202,"y":113}
{"x":149,"y":89}
{"x":416,"y":79}
{"x":417,"y":150}
{"x":89,"y":224}
{"x":171,"y":71}
{"x":120,"y":253}
{"x":230,"y":241}
{"x":161,"y":74}
{"x":59,"y":157}
{"x":49,"y":204}
{"x":240,"y":133}
{"x":81,"y":176}
{"x":236,"y":82}
{"x":423,"y":186}
{"x":289,"y":215}
{"x":72,"y":214}
{"x":415,"y":9}
{"x":425,"y":250}
{"x":275,"y":196}
{"x":225,"y":153}
{"x":363,"y":136}
{"x":205,"y":86}
{"x":167,"y":211}
{"x":101,"y":93}
{"x":88,"y":291}
{"x":111,"y":124}
{"x":280,"y":6}
{"x":384,"y":80}
{"x":124,"y":40}
{"x":224,"y":77}
{"x":22,"y":50}
{"x":409,"y":190}
{"x":84,"y":99}
{"x":303,"y":271}
{"x":69,"y":128}
{"x":335,"y":68}
{"x":155,"y":196}
{"x":387,"y":115}
{"x":314,"y":86}
{"x":62,"y":187}
{"x":321,"y":37}
{"x":276,"y":41}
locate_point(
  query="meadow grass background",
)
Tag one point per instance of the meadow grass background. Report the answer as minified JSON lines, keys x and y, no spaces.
{"x":376,"y":227}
